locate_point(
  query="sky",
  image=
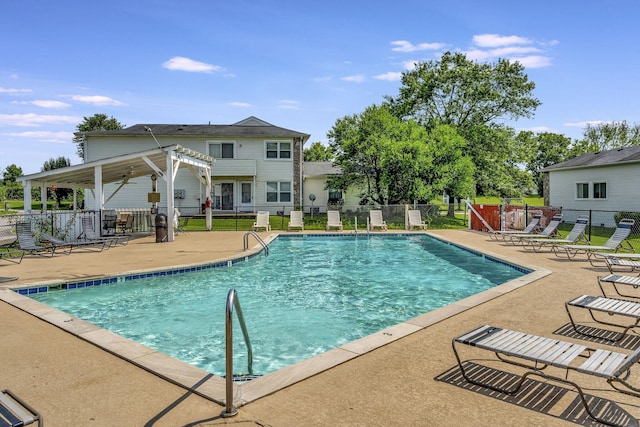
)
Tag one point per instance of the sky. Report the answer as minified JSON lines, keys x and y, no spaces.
{"x":295,"y":64}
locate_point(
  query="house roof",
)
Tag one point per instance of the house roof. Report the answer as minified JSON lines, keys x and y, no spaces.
{"x":313,"y":169}
{"x":249,"y":127}
{"x":602,"y":158}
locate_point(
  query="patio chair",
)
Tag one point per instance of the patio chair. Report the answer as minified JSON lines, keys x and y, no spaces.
{"x":376,"y":220}
{"x":609,"y":308}
{"x":333,"y":220}
{"x":532,"y":227}
{"x":296,"y":220}
{"x":27,"y":243}
{"x":262,"y":221}
{"x":415,"y":220}
{"x":576,"y":235}
{"x":68,"y":246}
{"x":619,"y":282}
{"x":517,"y":348}
{"x":550,"y":231}
{"x":124,"y":222}
{"x":615,"y":243}
{"x":109,"y":224}
{"x":16,"y":412}
{"x":90,"y":234}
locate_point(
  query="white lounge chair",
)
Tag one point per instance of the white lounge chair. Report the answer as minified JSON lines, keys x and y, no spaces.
{"x":415,"y":220}
{"x":614,"y":244}
{"x":333,"y":220}
{"x":532,"y":227}
{"x":262,"y":221}
{"x":517,"y":348}
{"x":550,"y":231}
{"x":296,"y":220}
{"x":376,"y":220}
{"x":577,"y":234}
{"x":16,"y":412}
{"x":619,"y":282}
{"x":608,"y":308}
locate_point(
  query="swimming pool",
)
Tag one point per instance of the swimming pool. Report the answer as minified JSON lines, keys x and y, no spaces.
{"x":309,"y":295}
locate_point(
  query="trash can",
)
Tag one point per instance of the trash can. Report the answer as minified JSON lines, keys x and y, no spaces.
{"x":161,"y":228}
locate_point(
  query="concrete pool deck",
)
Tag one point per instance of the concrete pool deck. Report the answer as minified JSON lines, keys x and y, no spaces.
{"x":403,"y":382}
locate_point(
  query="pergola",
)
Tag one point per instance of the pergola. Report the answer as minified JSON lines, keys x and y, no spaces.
{"x":163,"y":162}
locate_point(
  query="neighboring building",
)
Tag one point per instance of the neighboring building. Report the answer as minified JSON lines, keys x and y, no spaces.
{"x":606,"y":180}
{"x":257,"y":166}
{"x":315,"y":176}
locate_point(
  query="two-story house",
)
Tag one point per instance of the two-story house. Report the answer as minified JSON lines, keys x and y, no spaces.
{"x":257,"y":166}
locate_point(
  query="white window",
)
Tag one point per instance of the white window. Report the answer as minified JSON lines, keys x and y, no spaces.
{"x":279,"y":191}
{"x":277,"y":150}
{"x":221,"y":150}
{"x":582,"y":190}
{"x":599,"y":190}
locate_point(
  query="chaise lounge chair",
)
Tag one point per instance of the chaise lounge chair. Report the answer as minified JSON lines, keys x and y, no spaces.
{"x":262,"y":221}
{"x":68,"y":246}
{"x":16,"y":412}
{"x":614,"y":244}
{"x":608,"y":308}
{"x":532,"y":227}
{"x":415,"y":220}
{"x":577,"y":234}
{"x":27,"y":243}
{"x":296,"y":220}
{"x":376,"y":220}
{"x":90,"y":234}
{"x":550,"y":231}
{"x":619,"y":282}
{"x":517,"y":348}
{"x":333,"y":220}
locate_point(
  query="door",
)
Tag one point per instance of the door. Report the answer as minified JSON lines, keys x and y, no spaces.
{"x":246,"y":194}
{"x":227,"y":196}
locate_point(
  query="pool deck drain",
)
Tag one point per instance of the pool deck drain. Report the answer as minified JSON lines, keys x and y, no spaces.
{"x":389,"y":377}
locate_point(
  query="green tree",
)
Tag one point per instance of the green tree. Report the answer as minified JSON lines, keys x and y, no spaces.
{"x":59,"y":163}
{"x":472,"y":97}
{"x":394,"y":161}
{"x":11,"y":174}
{"x":97,"y":122}
{"x":318,"y":152}
{"x":607,"y":136}
{"x":547,"y":149}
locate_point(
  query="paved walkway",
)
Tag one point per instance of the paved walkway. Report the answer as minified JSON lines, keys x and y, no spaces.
{"x":404,"y":383}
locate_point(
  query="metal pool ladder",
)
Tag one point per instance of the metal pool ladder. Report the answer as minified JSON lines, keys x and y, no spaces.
{"x":233,"y":301}
{"x":262,"y":243}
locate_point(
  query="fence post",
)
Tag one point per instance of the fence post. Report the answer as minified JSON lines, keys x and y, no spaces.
{"x":590,"y":222}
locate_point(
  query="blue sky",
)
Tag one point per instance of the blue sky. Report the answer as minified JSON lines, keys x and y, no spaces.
{"x":298,"y":65}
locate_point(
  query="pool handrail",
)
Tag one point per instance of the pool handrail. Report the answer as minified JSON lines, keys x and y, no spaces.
{"x":233,"y":301}
{"x":262,"y":243}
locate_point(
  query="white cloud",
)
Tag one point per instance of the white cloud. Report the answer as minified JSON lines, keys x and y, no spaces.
{"x":356,"y":78}
{"x":406,"y":46}
{"x":410,"y":64}
{"x":585,"y":123}
{"x":390,"y":76}
{"x":30,"y":119}
{"x":533,"y":61}
{"x":239,"y":104}
{"x":49,"y":104}
{"x":180,"y":63}
{"x":14,"y":91}
{"x":56,"y":137}
{"x":96,"y":100}
{"x":495,"y":40}
{"x":287,"y":104}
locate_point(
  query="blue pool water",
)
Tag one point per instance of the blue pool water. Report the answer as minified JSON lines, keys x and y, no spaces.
{"x":311,"y":294}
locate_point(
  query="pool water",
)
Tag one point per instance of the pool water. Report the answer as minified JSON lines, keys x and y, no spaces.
{"x":311,"y":294}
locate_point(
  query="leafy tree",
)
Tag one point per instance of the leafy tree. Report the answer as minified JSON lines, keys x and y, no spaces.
{"x":97,"y":122}
{"x":394,"y":161}
{"x":473,"y":97}
{"x":607,"y":136}
{"x":547,"y":149}
{"x":51,"y":164}
{"x":11,"y":174}
{"x":317,"y":152}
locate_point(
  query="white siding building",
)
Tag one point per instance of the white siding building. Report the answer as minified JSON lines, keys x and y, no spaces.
{"x":257,"y":165}
{"x":607,"y":180}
